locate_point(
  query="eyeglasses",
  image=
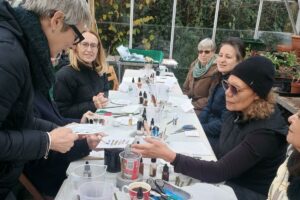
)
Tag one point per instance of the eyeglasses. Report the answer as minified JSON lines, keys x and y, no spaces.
{"x":205,"y":51}
{"x":234,"y":90}
{"x":79,"y":37}
{"x":86,"y":45}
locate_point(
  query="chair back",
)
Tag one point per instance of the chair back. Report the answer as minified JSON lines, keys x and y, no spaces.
{"x":113,"y":77}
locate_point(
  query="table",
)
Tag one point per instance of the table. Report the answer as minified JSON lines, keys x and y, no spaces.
{"x":65,"y":191}
{"x":115,"y":60}
{"x":291,"y":104}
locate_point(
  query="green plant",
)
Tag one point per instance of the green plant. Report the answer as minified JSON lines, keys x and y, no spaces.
{"x":285,"y":64}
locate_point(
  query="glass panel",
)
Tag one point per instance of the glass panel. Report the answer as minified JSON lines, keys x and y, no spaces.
{"x":113,"y":23}
{"x":152,"y":25}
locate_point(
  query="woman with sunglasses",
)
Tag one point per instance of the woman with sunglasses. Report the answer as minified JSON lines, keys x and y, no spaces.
{"x":232,"y":51}
{"x":286,"y":184}
{"x":83,"y":85}
{"x":252,"y":142}
{"x":200,"y":78}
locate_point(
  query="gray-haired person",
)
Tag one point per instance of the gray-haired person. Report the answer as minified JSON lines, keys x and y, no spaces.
{"x":29,"y":36}
{"x":201,"y":78}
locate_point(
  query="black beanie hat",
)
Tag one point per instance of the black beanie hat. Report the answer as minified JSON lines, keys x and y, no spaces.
{"x":258,"y":73}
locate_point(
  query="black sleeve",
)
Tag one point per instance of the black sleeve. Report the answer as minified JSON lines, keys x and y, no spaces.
{"x":78,"y":151}
{"x":64,"y":89}
{"x":43,"y":125}
{"x":240,"y":159}
{"x":16,"y":144}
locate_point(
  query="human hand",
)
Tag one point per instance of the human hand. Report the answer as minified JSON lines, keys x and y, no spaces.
{"x":97,"y":102}
{"x":154,"y":148}
{"x":100,"y":101}
{"x":86,"y":116}
{"x":62,"y":139}
{"x":94,"y":140}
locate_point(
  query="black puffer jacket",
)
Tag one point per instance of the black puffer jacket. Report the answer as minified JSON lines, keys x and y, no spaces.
{"x":20,"y":138}
{"x":74,"y":90}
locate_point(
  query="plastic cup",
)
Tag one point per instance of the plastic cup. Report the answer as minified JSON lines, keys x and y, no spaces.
{"x":130,"y":163}
{"x":96,"y":190}
{"x":87,"y":173}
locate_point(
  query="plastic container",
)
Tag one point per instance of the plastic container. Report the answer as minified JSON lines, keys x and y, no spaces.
{"x":130,"y":164}
{"x":96,"y":190}
{"x":83,"y":173}
{"x":156,"y":55}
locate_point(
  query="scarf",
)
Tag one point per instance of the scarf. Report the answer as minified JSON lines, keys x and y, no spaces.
{"x":200,"y":70}
{"x":37,"y":50}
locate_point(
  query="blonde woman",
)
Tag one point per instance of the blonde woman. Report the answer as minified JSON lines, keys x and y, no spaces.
{"x":82,"y":85}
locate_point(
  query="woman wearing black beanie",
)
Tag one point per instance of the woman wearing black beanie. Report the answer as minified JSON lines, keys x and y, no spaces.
{"x":252,"y":143}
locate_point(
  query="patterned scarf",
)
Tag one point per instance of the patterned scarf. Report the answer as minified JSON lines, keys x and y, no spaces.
{"x":200,"y":70}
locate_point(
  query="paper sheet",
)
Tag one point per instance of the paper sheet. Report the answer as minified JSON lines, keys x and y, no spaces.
{"x":85,"y":129}
{"x":192,"y":133}
{"x":194,"y":149}
{"x":115,"y":142}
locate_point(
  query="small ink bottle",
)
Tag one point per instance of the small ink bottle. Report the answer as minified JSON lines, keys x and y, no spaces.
{"x":130,"y":120}
{"x":87,"y":170}
{"x":153,"y":167}
{"x":139,"y":83}
{"x":151,"y":124}
{"x":165,"y":173}
{"x":141,"y":98}
{"x":140,"y":195}
{"x":145,"y":103}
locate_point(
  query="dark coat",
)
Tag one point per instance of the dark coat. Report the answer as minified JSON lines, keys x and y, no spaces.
{"x":212,"y":115}
{"x":249,"y":154}
{"x":21,"y":138}
{"x":74,"y":90}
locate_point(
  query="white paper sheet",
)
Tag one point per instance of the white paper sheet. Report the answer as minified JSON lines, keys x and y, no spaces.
{"x":85,"y":129}
{"x":192,"y":133}
{"x":115,"y":142}
{"x":193,"y":149}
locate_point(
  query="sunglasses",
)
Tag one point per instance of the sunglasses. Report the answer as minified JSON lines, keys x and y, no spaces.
{"x":226,"y":85}
{"x":79,"y":37}
{"x":205,"y":51}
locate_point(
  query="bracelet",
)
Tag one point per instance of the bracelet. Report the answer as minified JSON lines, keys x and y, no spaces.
{"x":48,"y":146}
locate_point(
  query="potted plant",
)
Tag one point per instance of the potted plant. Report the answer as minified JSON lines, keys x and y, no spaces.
{"x":295,"y":84}
{"x":286,"y":71}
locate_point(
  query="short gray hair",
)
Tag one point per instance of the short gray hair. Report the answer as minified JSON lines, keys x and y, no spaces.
{"x":76,"y":11}
{"x":207,"y":43}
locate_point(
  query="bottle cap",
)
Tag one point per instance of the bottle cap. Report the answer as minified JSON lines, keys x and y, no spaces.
{"x":153,"y":160}
{"x":132,"y":80}
{"x":165,"y":168}
{"x":140,"y":194}
{"x":108,"y":114}
{"x":140,"y":94}
{"x":145,"y":94}
{"x":152,"y":121}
